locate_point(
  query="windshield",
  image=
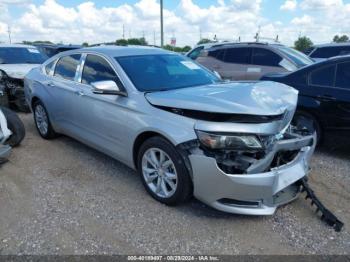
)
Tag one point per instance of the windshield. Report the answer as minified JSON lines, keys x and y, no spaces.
{"x":16,"y":55}
{"x":165,"y":72}
{"x":297,"y":57}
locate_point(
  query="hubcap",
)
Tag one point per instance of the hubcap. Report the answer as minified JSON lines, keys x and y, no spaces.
{"x":159,"y":172}
{"x":41,"y":119}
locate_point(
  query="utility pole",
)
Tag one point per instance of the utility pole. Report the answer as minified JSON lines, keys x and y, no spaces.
{"x":9,"y":32}
{"x":123,"y":31}
{"x":200,"y":34}
{"x":161,"y":24}
{"x":154,"y":38}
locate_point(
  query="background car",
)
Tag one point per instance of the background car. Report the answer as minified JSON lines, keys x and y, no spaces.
{"x":321,"y":52}
{"x":249,"y":61}
{"x":50,"y":50}
{"x":15,"y":62}
{"x":324,"y":93}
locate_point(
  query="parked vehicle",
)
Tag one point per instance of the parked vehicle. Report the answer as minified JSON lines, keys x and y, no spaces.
{"x":50,"y":49}
{"x":15,"y":62}
{"x":322,"y":52}
{"x":12,"y":132}
{"x":249,"y":61}
{"x":181,"y":127}
{"x":324,"y":94}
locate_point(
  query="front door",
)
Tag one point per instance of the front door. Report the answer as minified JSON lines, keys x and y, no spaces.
{"x":103,"y":119}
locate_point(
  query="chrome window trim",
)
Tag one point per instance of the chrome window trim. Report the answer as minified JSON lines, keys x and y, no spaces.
{"x":76,"y":71}
{"x":83,"y":60}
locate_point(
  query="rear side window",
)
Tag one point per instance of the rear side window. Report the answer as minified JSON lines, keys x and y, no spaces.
{"x":343,"y":75}
{"x":265,"y":57}
{"x":327,"y":52}
{"x":238,"y":55}
{"x":67,"y":66}
{"x":217,"y":54}
{"x":323,"y":77}
{"x":97,"y":69}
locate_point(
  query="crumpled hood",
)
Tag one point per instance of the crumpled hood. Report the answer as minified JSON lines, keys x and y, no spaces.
{"x":251,"y":98}
{"x":17,"y":71}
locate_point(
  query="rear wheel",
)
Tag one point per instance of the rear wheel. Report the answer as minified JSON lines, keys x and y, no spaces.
{"x":163,"y":172}
{"x":42,"y":121}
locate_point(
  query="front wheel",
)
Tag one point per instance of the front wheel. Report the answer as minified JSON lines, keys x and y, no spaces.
{"x":305,"y":122}
{"x":163,"y":172}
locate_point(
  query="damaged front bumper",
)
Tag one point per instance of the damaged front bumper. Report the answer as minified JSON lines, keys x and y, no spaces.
{"x":261,"y":189}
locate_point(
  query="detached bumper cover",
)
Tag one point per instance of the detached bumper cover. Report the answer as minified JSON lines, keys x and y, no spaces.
{"x":252,"y":194}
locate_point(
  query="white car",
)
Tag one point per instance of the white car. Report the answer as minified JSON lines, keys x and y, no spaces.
{"x":15,"y":62}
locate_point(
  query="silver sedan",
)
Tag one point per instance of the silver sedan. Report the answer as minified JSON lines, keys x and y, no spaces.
{"x":187,"y":133}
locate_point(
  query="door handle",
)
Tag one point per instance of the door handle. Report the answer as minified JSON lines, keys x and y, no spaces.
{"x":216,"y":67}
{"x":80,"y":93}
{"x":327,"y":97}
{"x":50,"y":84}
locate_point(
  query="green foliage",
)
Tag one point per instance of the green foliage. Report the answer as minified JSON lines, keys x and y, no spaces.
{"x":131,"y":41}
{"x":85,"y":44}
{"x":122,"y":42}
{"x":340,"y":39}
{"x":205,"y":41}
{"x":36,"y":42}
{"x":177,"y":49}
{"x":303,"y":43}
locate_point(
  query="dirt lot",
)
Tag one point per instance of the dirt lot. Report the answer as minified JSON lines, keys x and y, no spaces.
{"x":61,"y":197}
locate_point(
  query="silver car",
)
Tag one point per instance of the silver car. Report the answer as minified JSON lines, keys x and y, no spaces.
{"x":185,"y":131}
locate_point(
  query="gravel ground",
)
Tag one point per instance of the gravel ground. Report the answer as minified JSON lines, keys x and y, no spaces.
{"x":61,"y":197}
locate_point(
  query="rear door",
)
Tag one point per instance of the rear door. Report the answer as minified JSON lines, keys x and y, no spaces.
{"x":341,"y":95}
{"x":62,"y":88}
{"x":321,"y":88}
{"x":264,"y":61}
{"x":235,"y":62}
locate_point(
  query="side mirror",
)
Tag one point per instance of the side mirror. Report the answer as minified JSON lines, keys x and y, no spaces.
{"x":107,"y":88}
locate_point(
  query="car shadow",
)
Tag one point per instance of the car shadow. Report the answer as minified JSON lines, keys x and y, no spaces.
{"x":336,"y":144}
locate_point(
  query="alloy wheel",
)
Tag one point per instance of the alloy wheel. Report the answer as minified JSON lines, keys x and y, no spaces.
{"x":41,"y":119}
{"x":159,"y":172}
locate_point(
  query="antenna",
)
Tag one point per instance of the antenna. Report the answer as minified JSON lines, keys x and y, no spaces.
{"x":9,"y":32}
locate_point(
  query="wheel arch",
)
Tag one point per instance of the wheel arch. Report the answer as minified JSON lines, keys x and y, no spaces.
{"x":140,"y":139}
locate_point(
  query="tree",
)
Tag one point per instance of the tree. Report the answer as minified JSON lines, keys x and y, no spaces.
{"x":186,"y":49}
{"x":122,"y":42}
{"x":340,"y":39}
{"x":205,"y":41}
{"x":85,"y":44}
{"x":303,"y":43}
{"x":137,"y":41}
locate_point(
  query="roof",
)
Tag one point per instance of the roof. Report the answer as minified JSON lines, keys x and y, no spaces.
{"x":333,"y":44}
{"x":126,"y":50}
{"x":57,"y":46}
{"x":16,"y":46}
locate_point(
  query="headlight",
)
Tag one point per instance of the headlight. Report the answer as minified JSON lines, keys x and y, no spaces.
{"x":229,"y":141}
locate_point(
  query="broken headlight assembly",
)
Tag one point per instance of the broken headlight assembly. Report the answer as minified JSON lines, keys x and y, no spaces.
{"x":229,"y":141}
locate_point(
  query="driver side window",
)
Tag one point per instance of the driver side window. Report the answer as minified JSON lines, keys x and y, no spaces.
{"x":98,"y":69}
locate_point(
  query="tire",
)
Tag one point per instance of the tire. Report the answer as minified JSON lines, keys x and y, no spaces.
{"x":166,"y":172}
{"x":16,"y":126}
{"x":42,"y":121}
{"x":307,"y":122}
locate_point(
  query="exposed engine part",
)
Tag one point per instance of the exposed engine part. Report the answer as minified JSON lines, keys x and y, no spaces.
{"x":12,"y":93}
{"x":326,"y":214}
{"x":222,"y":117}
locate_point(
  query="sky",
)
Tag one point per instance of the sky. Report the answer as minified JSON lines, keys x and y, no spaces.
{"x":96,"y":21}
